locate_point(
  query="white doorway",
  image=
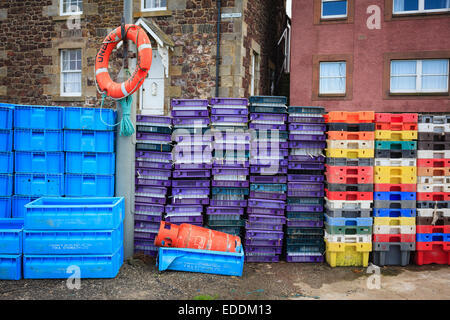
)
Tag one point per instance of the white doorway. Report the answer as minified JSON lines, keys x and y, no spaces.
{"x":152,"y":91}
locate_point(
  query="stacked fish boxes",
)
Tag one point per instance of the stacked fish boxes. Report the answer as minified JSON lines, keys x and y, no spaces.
{"x":433,"y":190}
{"x":153,"y":179}
{"x":192,"y":156}
{"x":349,"y":190}
{"x":395,"y":188}
{"x":231,"y":147}
{"x":6,"y":159}
{"x":304,"y":232}
{"x":268,"y":181}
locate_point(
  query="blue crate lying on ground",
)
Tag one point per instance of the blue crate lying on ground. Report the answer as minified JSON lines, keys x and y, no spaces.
{"x":61,"y":266}
{"x":39,"y":162}
{"x":38,"y":117}
{"x":6,"y":116}
{"x":74,"y":213}
{"x":71,"y":242}
{"x":38,"y":140}
{"x":10,"y":267}
{"x":88,"y":141}
{"x":5,"y":207}
{"x":90,"y":163}
{"x":6,"y":140}
{"x":7,"y":162}
{"x":6,"y":185}
{"x":36,"y":184}
{"x":89,"y":119}
{"x":11,"y":236}
{"x":18,"y":205}
{"x":204,"y":261}
{"x":78,"y":185}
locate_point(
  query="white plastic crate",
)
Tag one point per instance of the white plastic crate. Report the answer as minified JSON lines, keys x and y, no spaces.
{"x":433,"y":180}
{"x":394,"y":229}
{"x":357,"y":238}
{"x":433,"y":187}
{"x":431,"y":212}
{"x":344,"y":204}
{"x":404,"y":162}
{"x":351,"y":144}
{"x":433,"y":154}
{"x":434,"y":127}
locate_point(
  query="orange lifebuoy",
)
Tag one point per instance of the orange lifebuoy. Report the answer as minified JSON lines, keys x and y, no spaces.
{"x":105,"y":83}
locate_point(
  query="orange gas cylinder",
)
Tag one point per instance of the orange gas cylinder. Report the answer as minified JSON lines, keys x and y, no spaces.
{"x":193,"y":237}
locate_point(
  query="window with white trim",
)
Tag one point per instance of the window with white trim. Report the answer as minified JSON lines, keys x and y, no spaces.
{"x":333,"y":77}
{"x":332,"y":9}
{"x":70,"y":7}
{"x":420,"y":6}
{"x":419,"y":76}
{"x":254,"y":74}
{"x":153,"y":5}
{"x":71,"y":73}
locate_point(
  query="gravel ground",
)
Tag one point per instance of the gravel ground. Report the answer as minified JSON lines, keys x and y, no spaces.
{"x":139,"y":279}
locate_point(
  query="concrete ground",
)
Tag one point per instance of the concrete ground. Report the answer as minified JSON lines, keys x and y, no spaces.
{"x":139,"y":279}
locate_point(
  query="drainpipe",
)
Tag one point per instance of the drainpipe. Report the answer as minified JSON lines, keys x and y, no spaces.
{"x":219,"y":19}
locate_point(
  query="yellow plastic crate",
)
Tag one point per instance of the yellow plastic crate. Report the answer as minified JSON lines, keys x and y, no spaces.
{"x":395,"y":135}
{"x":348,"y":254}
{"x":350,"y":153}
{"x":377,"y":221}
{"x":395,"y":175}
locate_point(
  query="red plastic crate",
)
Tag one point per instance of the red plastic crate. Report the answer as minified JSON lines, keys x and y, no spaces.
{"x":387,"y":187}
{"x":396,"y":117}
{"x":432,"y":252}
{"x":349,"y":195}
{"x":394,"y":238}
{"x":345,"y":135}
{"x":433,"y":196}
{"x":349,"y":175}
{"x":433,"y":163}
{"x":350,"y":117}
{"x":397,"y":126}
{"x":432,"y":229}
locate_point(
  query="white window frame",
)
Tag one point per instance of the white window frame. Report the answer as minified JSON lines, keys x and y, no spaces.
{"x":254,"y":73}
{"x":143,"y":9}
{"x":420,"y":10}
{"x":418,"y":75}
{"x":333,"y":16}
{"x":62,"y":13}
{"x":70,"y":94}
{"x":333,"y":77}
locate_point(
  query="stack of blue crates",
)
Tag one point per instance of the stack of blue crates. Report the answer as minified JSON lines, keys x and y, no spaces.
{"x":11,"y":234}
{"x":6,"y":159}
{"x":89,"y":145}
{"x":79,"y":237}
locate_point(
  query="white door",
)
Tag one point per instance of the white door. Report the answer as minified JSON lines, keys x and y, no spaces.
{"x":152,"y":91}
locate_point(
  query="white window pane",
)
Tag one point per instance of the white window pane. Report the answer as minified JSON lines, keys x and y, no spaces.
{"x":403,"y":83}
{"x":435,"y":67}
{"x":437,"y":4}
{"x":406,"y":5}
{"x":403,"y":67}
{"x":72,"y":82}
{"x":78,"y":66}
{"x":332,"y":85}
{"x":332,"y":69}
{"x":438,"y":83}
{"x":163,"y":3}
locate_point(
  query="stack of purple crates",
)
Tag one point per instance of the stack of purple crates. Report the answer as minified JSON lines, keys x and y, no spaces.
{"x":191,"y":184}
{"x":304,"y":211}
{"x":268,"y":181}
{"x":153,"y":173}
{"x":231,"y":147}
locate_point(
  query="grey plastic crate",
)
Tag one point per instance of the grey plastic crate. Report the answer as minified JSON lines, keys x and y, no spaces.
{"x":342,"y":213}
{"x":387,"y":204}
{"x":392,"y":253}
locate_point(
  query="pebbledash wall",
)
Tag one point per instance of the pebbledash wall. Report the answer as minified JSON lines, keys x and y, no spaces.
{"x":33,"y":34}
{"x":367,"y":52}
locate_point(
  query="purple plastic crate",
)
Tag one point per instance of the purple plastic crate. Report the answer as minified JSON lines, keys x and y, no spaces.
{"x":191,"y":121}
{"x":269,"y":152}
{"x":190,"y":202}
{"x":306,"y":119}
{"x":271,"y":204}
{"x":185,"y":219}
{"x":268,"y":145}
{"x":307,"y":127}
{"x":204,"y":139}
{"x":217,"y":163}
{"x":262,"y":259}
{"x":191,"y":183}
{"x":304,"y":224}
{"x":263,"y":235}
{"x":268,"y":117}
{"x":154,"y":120}
{"x":229,"y":112}
{"x":193,"y":166}
{"x":224,"y":210}
{"x":149,"y":200}
{"x":229,"y":101}
{"x":307,"y":137}
{"x":267,"y":170}
{"x":229,"y":119}
{"x":306,"y":194}
{"x":304,"y":207}
{"x":305,"y":178}
{"x":154,"y":156}
{"x":183,"y":209}
{"x":263,"y":243}
{"x":191,"y":173}
{"x":259,"y":126}
{"x":304,"y":258}
{"x":267,"y":195}
{"x":152,"y":165}
{"x":230,"y":184}
{"x":147,"y":218}
{"x":144,"y":225}
{"x":230,"y":172}
{"x":268,"y":179}
{"x":231,"y":146}
{"x":200,"y":149}
{"x":231,"y":136}
{"x":191,"y":159}
{"x":307,"y":158}
{"x":189,"y":103}
{"x":152,"y":182}
{"x":190,"y":113}
{"x":307,"y":144}
{"x":161,"y":191}
{"x":266,"y":163}
{"x":265,"y":211}
{"x":153,"y":173}
{"x":265,"y":219}
{"x":191,"y":191}
{"x":306,"y":166}
{"x":152,"y":208}
{"x":153,"y":137}
{"x":306,"y":186}
{"x":146,"y":236}
{"x":270,"y":250}
{"x":228,"y":203}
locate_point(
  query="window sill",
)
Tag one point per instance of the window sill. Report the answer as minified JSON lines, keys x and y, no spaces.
{"x":68,"y":17}
{"x":418,"y":94}
{"x":332,"y":95}
{"x":420,"y":15}
{"x":68,"y":99}
{"x":158,"y":13}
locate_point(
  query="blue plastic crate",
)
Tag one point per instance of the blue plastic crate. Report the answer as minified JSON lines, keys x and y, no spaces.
{"x":394,"y":213}
{"x":5,"y":207}
{"x":90,"y":163}
{"x":38,"y":117}
{"x":72,"y":241}
{"x":38,"y":140}
{"x":57,"y":266}
{"x":38,"y":184}
{"x":75,"y":214}
{"x":204,"y":261}
{"x":89,"y":119}
{"x":433,"y":237}
{"x":10,"y":267}
{"x":395,"y":196}
{"x":11,"y":236}
{"x":7,"y":162}
{"x":360,"y":222}
{"x":6,"y":140}
{"x":88,"y":141}
{"x":6,"y":116}
{"x":78,"y":185}
{"x":18,"y":205}
{"x":6,"y":185}
{"x":39,"y":162}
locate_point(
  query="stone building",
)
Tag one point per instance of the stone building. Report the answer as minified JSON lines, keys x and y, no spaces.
{"x":48,"y":49}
